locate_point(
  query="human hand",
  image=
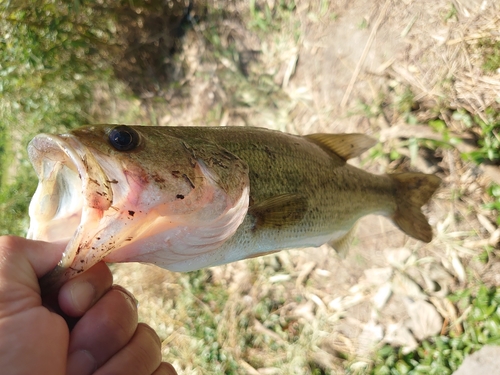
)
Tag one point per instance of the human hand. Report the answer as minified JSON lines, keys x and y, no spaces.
{"x":34,"y":339}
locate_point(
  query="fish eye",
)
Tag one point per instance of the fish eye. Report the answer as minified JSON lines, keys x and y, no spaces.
{"x":123,"y":138}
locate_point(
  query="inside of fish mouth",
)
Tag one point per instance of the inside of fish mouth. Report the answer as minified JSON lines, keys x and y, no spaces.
{"x":56,"y":208}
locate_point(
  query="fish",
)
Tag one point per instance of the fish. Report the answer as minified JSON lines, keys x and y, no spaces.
{"x":186,"y":198}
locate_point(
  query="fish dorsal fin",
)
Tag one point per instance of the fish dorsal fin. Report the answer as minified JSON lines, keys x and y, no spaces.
{"x":341,"y":245}
{"x":279,"y":211}
{"x":347,"y":146}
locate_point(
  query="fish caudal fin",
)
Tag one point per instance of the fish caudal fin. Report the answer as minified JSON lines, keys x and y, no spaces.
{"x":413,"y":190}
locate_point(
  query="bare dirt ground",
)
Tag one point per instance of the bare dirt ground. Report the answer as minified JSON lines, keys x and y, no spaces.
{"x":339,"y":66}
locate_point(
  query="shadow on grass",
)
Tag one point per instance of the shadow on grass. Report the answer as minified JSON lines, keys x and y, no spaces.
{"x":150,"y":35}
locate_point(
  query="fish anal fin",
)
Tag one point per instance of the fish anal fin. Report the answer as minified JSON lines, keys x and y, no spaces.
{"x":279,"y":211}
{"x":341,"y":245}
{"x":413,"y":190}
{"x":347,"y":146}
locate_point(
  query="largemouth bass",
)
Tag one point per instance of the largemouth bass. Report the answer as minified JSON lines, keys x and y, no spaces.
{"x":185,"y":198}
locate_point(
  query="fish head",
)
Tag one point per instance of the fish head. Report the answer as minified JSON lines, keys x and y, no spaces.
{"x":126,"y":193}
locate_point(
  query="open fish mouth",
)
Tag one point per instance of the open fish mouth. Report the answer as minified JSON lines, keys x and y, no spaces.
{"x":73,"y":191}
{"x":56,"y":208}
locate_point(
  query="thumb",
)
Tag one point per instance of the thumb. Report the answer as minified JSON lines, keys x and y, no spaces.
{"x":23,"y":261}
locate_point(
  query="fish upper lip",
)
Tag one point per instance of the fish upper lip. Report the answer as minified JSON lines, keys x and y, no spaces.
{"x":44,"y":143}
{"x":70,"y":152}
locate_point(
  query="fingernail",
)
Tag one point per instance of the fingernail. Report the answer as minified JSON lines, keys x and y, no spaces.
{"x":152,"y":333}
{"x":130,"y":296}
{"x":82,"y":295}
{"x":81,"y":362}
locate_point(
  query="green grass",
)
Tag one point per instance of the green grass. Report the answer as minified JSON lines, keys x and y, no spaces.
{"x":442,"y":355}
{"x":488,"y":135}
{"x":494,"y":191}
{"x":490,"y":50}
{"x":210,"y":299}
{"x":266,"y":19}
{"x":48,"y":69}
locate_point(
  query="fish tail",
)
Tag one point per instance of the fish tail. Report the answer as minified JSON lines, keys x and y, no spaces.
{"x":413,"y":190}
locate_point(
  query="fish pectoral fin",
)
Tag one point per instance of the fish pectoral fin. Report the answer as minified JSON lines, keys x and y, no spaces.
{"x":342,"y":245}
{"x":279,"y":211}
{"x":347,"y":146}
